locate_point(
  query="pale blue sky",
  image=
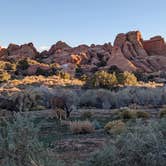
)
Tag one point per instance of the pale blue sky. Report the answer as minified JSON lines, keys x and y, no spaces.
{"x":44,"y":22}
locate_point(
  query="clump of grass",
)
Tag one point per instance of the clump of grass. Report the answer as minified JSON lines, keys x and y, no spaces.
{"x":127,"y":114}
{"x":116,"y":126}
{"x":81,"y":127}
{"x":162,"y":113}
{"x":142,"y":114}
{"x":133,"y":114}
{"x":86,"y":115}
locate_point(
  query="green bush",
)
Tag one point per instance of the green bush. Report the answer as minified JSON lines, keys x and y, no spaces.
{"x":78,"y":72}
{"x":40,"y":71}
{"x":114,"y":69}
{"x":102,"y":79}
{"x":143,"y":145}
{"x":22,"y":64}
{"x":4,"y":76}
{"x":20,"y":145}
{"x":127,"y":78}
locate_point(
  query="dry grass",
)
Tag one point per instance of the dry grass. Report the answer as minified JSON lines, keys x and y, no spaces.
{"x":41,"y":80}
{"x":81,"y":127}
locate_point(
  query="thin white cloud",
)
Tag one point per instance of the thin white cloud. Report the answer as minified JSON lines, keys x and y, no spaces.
{"x":3,"y":47}
{"x":42,"y":48}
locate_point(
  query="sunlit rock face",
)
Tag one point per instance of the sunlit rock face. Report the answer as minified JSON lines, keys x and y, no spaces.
{"x":145,"y":55}
{"x":155,"y":46}
{"x":129,"y":52}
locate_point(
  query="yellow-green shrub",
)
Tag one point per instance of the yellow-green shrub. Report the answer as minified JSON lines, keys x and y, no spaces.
{"x":127,"y":114}
{"x":162,"y":113}
{"x":127,"y":78}
{"x":116,"y":127}
{"x":4,"y":76}
{"x":102,"y":79}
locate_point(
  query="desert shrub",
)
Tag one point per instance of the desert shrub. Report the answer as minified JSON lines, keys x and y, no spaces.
{"x":127,"y":78}
{"x":43,"y":72}
{"x":4,"y":76}
{"x":141,"y":76}
{"x":102,"y":79}
{"x":55,"y":67}
{"x":114,"y":69}
{"x":124,"y":97}
{"x":90,"y":98}
{"x":86,"y":115}
{"x":84,"y":77}
{"x":78,"y":71}
{"x":20,"y":145}
{"x":128,"y":114}
{"x":64,"y":75}
{"x":101,"y":63}
{"x":133,"y":114}
{"x":162,"y":113}
{"x":22,"y":64}
{"x":81,"y":127}
{"x":116,"y":126}
{"x":7,"y":66}
{"x":142,"y":114}
{"x":140,"y":146}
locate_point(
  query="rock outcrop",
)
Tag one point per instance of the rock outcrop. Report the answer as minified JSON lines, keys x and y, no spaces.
{"x":129,"y":53}
{"x":15,"y":52}
{"x":155,"y":46}
{"x":118,"y":59}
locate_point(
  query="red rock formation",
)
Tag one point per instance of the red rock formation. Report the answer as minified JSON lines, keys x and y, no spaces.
{"x":15,"y":52}
{"x":155,"y":46}
{"x":129,"y":52}
{"x":131,"y":44}
{"x":118,"y":59}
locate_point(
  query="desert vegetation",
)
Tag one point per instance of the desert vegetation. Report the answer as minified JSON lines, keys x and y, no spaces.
{"x":108,"y":118}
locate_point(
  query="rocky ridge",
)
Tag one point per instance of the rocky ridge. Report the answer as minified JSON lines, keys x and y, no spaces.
{"x":129,"y":52}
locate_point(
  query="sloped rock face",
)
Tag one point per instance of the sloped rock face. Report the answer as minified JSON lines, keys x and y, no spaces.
{"x":132,"y":49}
{"x":118,"y":59}
{"x":131,"y":45}
{"x":139,"y":52}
